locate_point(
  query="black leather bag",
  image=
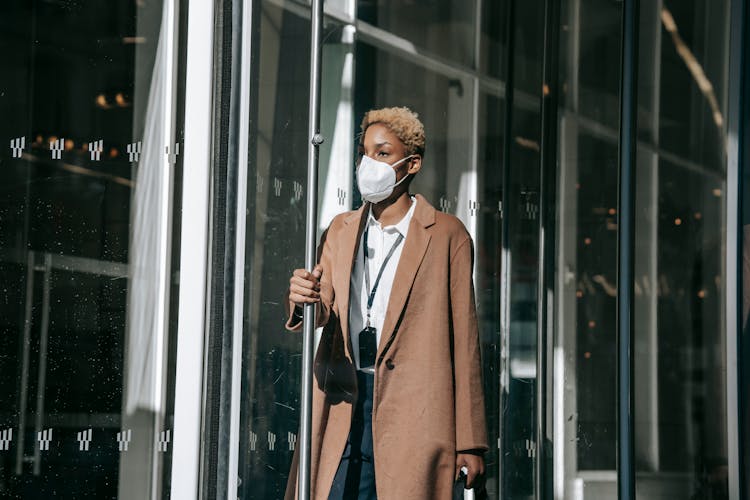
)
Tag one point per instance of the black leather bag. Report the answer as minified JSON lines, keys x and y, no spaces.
{"x":458,"y":489}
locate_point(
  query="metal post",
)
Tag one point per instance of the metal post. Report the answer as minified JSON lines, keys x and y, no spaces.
{"x":625,"y":247}
{"x":311,"y":224}
{"x":245,"y":21}
{"x":736,"y":345}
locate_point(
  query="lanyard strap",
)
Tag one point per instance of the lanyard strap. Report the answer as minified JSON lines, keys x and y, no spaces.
{"x":371,"y":294}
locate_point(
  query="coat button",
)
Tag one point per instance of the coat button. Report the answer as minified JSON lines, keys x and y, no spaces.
{"x":389,"y":364}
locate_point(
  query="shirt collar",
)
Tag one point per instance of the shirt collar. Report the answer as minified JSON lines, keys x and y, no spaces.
{"x":402,"y":226}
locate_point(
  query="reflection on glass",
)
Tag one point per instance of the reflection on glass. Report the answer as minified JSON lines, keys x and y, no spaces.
{"x":488,"y":258}
{"x":492,"y":53}
{"x":681,"y":435}
{"x":445,"y":28}
{"x":85,"y":255}
{"x":584,"y":351}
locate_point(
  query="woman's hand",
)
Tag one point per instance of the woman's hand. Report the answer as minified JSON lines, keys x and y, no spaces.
{"x":304,"y":286}
{"x":474,"y":464}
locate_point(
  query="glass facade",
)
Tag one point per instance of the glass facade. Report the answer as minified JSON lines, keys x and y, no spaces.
{"x":680,"y":329}
{"x":90,"y":172}
{"x":153,"y":190}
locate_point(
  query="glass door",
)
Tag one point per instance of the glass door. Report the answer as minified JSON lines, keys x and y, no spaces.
{"x":87,"y":181}
{"x":451,"y":76}
{"x":680,"y":356}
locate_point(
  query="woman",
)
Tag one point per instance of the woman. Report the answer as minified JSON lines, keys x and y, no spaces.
{"x":398,"y":407}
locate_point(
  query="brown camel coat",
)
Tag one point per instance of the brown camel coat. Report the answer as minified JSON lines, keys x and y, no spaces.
{"x":427,"y":399}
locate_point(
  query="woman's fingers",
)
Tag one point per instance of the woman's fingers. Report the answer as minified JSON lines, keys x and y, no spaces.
{"x":304,"y":278}
{"x":470,"y":477}
{"x":304,"y":287}
{"x":304,"y":283}
{"x":307,"y":275}
{"x":301,"y":299}
{"x":317,"y":272}
{"x":304,"y":291}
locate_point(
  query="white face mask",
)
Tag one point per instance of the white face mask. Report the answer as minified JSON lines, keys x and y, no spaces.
{"x":377,"y":179}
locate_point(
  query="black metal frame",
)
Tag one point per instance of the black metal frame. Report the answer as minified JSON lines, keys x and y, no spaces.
{"x":547,"y":245}
{"x":625,"y":253}
{"x":743,"y":331}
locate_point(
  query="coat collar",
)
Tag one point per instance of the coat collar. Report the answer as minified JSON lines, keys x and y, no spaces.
{"x":415,"y":247}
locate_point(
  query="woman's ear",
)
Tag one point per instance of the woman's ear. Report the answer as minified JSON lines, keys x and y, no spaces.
{"x":415,"y":164}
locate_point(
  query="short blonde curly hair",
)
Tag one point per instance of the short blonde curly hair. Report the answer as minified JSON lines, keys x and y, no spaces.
{"x":401,"y":121}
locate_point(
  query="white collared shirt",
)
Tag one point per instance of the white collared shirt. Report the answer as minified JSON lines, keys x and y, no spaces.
{"x":380,"y":240}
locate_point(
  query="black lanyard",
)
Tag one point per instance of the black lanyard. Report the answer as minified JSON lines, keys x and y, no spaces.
{"x":371,"y":294}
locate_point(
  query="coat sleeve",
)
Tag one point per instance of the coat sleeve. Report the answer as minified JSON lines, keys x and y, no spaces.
{"x":323,"y":308}
{"x":471,"y":430}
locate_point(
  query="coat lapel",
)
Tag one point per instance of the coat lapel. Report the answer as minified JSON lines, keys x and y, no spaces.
{"x":352,"y":233}
{"x":417,"y":241}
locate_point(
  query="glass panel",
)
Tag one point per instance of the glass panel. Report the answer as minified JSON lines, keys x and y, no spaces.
{"x":518,"y":436}
{"x":585,"y":351}
{"x":445,"y":28}
{"x":680,"y":328}
{"x":489,"y":245}
{"x":492,"y":53}
{"x":86,"y":92}
{"x":488,"y":274}
{"x":277,"y":178}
